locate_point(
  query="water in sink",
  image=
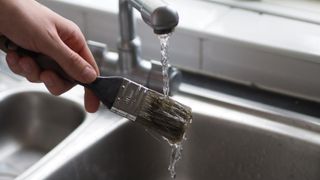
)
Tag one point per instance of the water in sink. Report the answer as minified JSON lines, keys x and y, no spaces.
{"x":31,"y":124}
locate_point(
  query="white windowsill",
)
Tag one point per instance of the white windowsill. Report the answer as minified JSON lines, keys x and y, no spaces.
{"x":271,"y":52}
{"x":303,"y":10}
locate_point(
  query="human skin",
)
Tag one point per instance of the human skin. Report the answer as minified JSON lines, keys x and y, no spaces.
{"x":35,"y":27}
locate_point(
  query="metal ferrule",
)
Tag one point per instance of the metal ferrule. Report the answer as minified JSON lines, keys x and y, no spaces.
{"x":129,"y":100}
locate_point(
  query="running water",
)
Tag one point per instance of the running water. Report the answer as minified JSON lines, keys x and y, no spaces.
{"x":176,"y":150}
{"x":164,"y":44}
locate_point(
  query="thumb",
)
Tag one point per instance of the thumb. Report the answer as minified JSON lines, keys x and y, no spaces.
{"x":71,"y":62}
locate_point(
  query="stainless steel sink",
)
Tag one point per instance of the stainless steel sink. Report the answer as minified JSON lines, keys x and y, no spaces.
{"x":31,"y":124}
{"x":229,"y":139}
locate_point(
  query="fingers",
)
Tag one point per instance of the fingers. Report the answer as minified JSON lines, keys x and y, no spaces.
{"x":24,"y":66}
{"x":27,"y":67}
{"x":73,"y":54}
{"x":13,"y":63}
{"x":30,"y":69}
{"x":86,"y":54}
{"x":66,"y":48}
{"x":91,"y":101}
{"x":77,"y":43}
{"x":72,"y":36}
{"x":54,"y":83}
{"x":74,"y":65}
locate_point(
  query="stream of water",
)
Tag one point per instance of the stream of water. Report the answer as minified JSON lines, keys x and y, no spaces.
{"x":176,"y":150}
{"x":164,"y":44}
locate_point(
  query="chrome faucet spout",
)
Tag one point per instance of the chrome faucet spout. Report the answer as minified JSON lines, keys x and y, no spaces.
{"x":162,"y":19}
{"x":157,"y":14}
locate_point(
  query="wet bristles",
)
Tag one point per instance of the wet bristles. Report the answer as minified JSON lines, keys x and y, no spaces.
{"x":165,"y":116}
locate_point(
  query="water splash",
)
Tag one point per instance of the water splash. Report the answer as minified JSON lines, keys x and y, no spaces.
{"x":176,"y":153}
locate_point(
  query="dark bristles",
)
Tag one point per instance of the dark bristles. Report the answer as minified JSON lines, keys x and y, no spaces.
{"x":165,"y":116}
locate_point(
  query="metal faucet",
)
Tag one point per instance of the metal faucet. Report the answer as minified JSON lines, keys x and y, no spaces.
{"x":128,"y":62}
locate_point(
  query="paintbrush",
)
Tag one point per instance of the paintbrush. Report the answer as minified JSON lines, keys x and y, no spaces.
{"x":126,"y":98}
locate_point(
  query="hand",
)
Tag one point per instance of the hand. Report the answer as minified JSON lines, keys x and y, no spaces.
{"x":37,"y":28}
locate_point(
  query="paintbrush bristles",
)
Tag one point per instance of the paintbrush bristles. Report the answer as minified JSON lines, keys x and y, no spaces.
{"x":167,"y":117}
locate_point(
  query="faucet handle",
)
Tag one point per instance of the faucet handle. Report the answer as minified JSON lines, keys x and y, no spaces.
{"x":155,"y":78}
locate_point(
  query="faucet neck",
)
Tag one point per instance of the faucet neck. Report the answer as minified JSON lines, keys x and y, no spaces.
{"x":158,"y":16}
{"x":126,"y":21}
{"x":129,"y":44}
{"x":162,"y":19}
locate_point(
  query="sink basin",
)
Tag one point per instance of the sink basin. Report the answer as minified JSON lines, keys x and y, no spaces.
{"x":225,"y":142}
{"x":228,"y":140}
{"x":31,"y":124}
